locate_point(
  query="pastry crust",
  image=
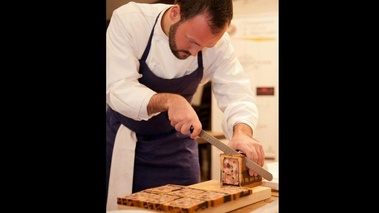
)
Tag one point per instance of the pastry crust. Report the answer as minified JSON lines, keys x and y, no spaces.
{"x":186,"y":204}
{"x":164,"y":189}
{"x":185,"y":192}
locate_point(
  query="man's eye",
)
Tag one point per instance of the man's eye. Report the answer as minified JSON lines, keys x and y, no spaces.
{"x":194,"y":43}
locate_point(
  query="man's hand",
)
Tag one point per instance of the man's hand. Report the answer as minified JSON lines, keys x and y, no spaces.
{"x":180,"y":112}
{"x":243,"y":141}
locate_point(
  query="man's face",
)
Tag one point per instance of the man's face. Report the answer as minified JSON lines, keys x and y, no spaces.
{"x":180,"y":54}
{"x":189,"y":37}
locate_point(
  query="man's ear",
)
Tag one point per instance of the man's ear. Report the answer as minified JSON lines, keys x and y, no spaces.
{"x":175,"y":13}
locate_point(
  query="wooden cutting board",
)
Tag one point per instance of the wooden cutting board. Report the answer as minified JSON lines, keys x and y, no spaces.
{"x":259,"y":193}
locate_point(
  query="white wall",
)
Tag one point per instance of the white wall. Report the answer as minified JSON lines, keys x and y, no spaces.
{"x":256,"y":43}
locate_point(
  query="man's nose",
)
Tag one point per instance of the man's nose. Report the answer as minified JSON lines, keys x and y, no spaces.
{"x":194,"y":51}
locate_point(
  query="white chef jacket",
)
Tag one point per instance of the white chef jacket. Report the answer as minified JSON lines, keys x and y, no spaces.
{"x":126,"y":39}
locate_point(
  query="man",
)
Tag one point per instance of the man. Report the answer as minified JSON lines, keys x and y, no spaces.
{"x":157,"y":55}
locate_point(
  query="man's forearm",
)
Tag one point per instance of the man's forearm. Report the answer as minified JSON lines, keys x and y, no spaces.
{"x":161,"y":102}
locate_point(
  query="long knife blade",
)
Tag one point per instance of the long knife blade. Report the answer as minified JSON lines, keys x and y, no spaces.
{"x":226,"y":149}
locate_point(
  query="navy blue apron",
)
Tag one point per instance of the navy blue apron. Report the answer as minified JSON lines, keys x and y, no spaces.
{"x":162,"y":154}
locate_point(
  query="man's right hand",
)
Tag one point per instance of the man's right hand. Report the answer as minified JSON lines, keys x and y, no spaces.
{"x":180,"y":112}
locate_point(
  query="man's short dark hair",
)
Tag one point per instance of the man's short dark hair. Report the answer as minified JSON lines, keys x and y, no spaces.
{"x":219,"y":12}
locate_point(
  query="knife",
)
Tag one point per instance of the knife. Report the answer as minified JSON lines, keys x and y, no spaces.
{"x":226,"y":149}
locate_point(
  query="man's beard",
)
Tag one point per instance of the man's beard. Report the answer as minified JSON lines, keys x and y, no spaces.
{"x":180,"y":54}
